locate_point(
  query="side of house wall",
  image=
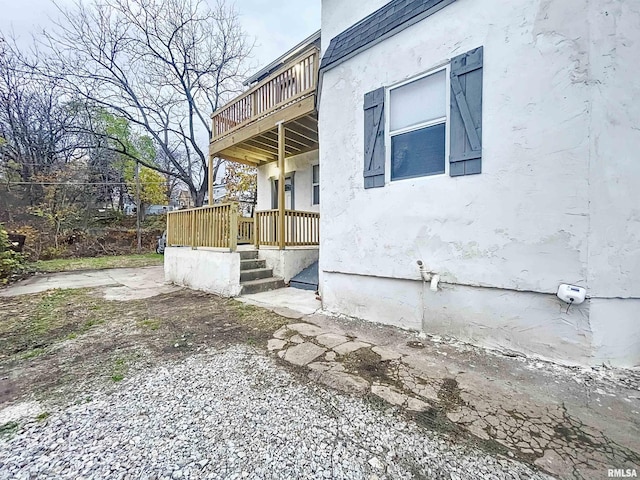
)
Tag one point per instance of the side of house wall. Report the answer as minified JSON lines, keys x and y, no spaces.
{"x":614,"y":179}
{"x":302,"y":166}
{"x":537,"y":216}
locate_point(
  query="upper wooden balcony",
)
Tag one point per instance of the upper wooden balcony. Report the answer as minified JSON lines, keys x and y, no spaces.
{"x":245,"y":129}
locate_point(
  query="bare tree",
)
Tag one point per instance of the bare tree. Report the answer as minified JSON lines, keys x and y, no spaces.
{"x":164,"y":65}
{"x":38,"y":125}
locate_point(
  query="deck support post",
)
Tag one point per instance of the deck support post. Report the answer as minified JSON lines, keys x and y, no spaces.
{"x":281,"y":219}
{"x":210,"y":180}
{"x":193,"y":229}
{"x":233,"y":226}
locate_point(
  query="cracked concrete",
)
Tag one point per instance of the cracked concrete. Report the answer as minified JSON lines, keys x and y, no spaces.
{"x":569,"y":422}
{"x":121,"y":284}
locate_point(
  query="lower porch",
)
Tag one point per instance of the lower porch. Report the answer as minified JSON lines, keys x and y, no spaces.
{"x":222,"y":226}
{"x":217,"y":250}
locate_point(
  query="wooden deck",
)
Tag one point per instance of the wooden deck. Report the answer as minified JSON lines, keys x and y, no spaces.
{"x":245,"y":130}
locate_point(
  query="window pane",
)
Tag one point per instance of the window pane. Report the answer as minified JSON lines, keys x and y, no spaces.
{"x":316,"y":194}
{"x":419,"y":101}
{"x":316,"y":174}
{"x":418,"y":153}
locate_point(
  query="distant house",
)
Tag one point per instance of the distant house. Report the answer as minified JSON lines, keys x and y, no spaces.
{"x":130,"y":209}
{"x":158,"y":209}
{"x":463,"y":159}
{"x":184,"y":199}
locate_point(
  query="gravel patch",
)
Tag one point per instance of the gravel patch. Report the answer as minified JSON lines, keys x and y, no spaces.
{"x":236,"y":414}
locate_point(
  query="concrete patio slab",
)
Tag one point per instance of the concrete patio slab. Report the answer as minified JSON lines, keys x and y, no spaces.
{"x":119,"y":284}
{"x":303,"y":353}
{"x":350,"y":347}
{"x":306,"y":329}
{"x":572,"y":422}
{"x":289,"y":302}
{"x":331,"y":340}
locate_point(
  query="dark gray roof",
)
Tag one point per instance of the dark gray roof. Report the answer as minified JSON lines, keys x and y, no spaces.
{"x":394,"y":17}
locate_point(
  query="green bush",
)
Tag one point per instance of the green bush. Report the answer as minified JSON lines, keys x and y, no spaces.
{"x":11,"y":263}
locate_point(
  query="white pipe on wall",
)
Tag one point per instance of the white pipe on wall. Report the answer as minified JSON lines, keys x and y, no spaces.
{"x":426,"y":276}
{"x":434,"y":283}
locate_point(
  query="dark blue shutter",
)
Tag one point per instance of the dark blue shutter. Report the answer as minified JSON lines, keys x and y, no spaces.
{"x":374,"y":152}
{"x":466,"y":114}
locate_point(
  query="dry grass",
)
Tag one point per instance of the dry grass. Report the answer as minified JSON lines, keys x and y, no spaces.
{"x":64,"y":341}
{"x":97,"y":263}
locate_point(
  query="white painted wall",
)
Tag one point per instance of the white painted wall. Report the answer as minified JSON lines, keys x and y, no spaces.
{"x":554,"y":202}
{"x":614,"y":166}
{"x":288,"y":263}
{"x":302,"y":166}
{"x":205,"y":269}
{"x":377,"y":299}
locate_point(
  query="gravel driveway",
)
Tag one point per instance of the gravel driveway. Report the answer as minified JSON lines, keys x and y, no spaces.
{"x":235,"y":413}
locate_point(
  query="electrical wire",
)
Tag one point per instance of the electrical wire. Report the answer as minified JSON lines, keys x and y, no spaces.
{"x":71,"y":184}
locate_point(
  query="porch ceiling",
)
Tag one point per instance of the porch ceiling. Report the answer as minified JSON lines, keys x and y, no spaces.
{"x":257,"y":143}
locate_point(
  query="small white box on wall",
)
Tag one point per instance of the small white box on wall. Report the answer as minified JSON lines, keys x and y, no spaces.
{"x":571,"y":293}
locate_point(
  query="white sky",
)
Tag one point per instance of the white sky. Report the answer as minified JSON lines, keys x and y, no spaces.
{"x":276,"y":25}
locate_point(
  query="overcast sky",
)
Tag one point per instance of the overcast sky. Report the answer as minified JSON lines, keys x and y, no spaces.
{"x":276,"y":25}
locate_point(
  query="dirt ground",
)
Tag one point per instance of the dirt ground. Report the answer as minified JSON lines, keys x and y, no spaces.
{"x":62,"y":342}
{"x":63,"y":346}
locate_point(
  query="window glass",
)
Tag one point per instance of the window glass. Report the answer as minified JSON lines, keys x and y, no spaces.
{"x":418,"y":153}
{"x":316,"y":184}
{"x":418,"y":102}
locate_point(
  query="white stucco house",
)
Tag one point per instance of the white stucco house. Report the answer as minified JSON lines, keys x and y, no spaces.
{"x":497,"y":143}
{"x":462,"y":159}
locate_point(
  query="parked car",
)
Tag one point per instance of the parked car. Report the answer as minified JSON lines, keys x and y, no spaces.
{"x":162,"y":242}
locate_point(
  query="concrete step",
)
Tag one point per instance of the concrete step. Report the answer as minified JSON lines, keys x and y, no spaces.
{"x":255,"y":274}
{"x":262,"y":285}
{"x":252,"y":264}
{"x":248,"y":254}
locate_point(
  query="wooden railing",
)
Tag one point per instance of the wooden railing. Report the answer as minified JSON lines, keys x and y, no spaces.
{"x":266,"y":228}
{"x":211,"y":226}
{"x":219,"y":226}
{"x":245,"y":230}
{"x":301,"y":228}
{"x":294,"y":81}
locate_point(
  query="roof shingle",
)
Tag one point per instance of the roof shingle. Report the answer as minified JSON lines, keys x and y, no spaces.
{"x":394,"y":17}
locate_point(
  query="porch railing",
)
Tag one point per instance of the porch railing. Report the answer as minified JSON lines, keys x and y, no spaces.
{"x":301,"y":228}
{"x":245,"y":230}
{"x":220,"y":226}
{"x":294,"y":81}
{"x":211,"y":226}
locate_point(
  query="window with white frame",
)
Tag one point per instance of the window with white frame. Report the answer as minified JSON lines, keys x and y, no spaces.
{"x":417,"y":126}
{"x":315,"y":185}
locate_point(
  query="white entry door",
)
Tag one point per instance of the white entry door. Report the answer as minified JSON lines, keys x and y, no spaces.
{"x":289,"y":193}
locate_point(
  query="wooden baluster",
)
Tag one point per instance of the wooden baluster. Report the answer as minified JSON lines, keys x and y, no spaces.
{"x":256,"y":231}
